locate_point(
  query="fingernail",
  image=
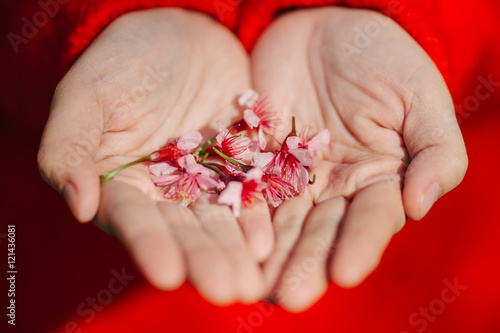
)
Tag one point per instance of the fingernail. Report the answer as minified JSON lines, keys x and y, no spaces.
{"x":69,"y":194}
{"x":429,"y":198}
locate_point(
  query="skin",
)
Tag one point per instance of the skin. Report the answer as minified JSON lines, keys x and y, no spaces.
{"x":394,"y":137}
{"x":395,"y":148}
{"x":202,"y":68}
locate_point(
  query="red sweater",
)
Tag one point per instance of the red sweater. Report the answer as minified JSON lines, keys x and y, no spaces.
{"x":461,"y":37}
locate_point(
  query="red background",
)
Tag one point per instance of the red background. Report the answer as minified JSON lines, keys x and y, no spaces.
{"x":61,"y":263}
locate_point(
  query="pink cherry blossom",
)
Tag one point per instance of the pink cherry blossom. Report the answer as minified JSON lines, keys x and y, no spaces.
{"x":189,"y":140}
{"x":161,"y":169}
{"x":277,"y":190}
{"x":289,"y":163}
{"x":243,"y":193}
{"x":178,"y":148}
{"x":319,"y":141}
{"x":258,"y":115}
{"x":235,"y":146}
{"x":248,"y":98}
{"x":185,"y":185}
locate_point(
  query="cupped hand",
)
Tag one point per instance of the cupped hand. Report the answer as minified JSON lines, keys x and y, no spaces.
{"x":151,"y":76}
{"x":395,"y":149}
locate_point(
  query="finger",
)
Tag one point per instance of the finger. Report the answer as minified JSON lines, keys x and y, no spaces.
{"x":305,"y":277}
{"x":375,"y":214}
{"x":208,"y":266}
{"x":287,"y":222}
{"x":219,"y":222}
{"x":67,"y":148}
{"x":136,"y":220}
{"x":436,"y":147}
{"x":255,"y":221}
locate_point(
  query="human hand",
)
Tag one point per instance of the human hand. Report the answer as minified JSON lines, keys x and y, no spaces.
{"x":395,"y":149}
{"x":151,"y":76}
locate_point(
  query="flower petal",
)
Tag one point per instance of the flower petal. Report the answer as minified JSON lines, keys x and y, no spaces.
{"x":255,"y":174}
{"x":196,"y":168}
{"x":293,"y":142}
{"x":189,"y":140}
{"x":248,"y":98}
{"x":302,"y":180}
{"x":262,"y":139}
{"x":161,"y":168}
{"x":186,"y":161}
{"x":251,"y":118}
{"x":321,"y":140}
{"x":223,"y":131}
{"x":304,"y":156}
{"x":231,"y":196}
{"x":206,"y":182}
{"x":166,"y":180}
{"x":260,"y":160}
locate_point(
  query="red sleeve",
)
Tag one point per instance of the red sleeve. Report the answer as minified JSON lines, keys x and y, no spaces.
{"x":418,"y":18}
{"x":92,"y":16}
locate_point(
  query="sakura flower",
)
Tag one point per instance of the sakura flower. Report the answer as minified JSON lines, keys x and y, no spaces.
{"x":248,"y":98}
{"x":258,"y":115}
{"x":243,"y":193}
{"x":161,"y":168}
{"x":180,"y":147}
{"x":234,"y":146}
{"x":289,"y":163}
{"x":277,"y":190}
{"x":186,"y":185}
{"x":319,"y":141}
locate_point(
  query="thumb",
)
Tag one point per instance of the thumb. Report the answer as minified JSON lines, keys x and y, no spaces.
{"x":436,"y":148}
{"x":67,"y":150}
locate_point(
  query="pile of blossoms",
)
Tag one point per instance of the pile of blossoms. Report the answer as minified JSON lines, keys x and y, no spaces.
{"x":235,"y":164}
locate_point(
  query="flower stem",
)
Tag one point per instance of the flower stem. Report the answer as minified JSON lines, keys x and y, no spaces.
{"x":313,"y":181}
{"x":215,"y":169}
{"x":201,"y":150}
{"x":243,"y":167}
{"x":108,"y":175}
{"x":293,"y":132}
{"x":204,"y":158}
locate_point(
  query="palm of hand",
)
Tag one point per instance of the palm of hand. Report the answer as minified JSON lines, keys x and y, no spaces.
{"x":157,"y":74}
{"x":154,"y":76}
{"x":370,"y":103}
